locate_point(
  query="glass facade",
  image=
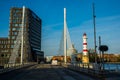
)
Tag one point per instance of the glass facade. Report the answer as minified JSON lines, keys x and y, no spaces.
{"x":32,"y":28}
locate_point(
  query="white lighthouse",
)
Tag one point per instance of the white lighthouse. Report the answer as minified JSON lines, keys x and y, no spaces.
{"x":85,"y":56}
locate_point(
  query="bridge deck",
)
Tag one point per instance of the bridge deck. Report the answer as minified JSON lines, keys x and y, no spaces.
{"x":44,"y":72}
{"x":49,"y":72}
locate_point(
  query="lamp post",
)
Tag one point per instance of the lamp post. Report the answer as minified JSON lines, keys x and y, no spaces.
{"x":103,"y":48}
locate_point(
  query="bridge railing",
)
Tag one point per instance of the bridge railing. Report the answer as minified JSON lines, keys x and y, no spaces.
{"x":11,"y":67}
{"x":93,"y":69}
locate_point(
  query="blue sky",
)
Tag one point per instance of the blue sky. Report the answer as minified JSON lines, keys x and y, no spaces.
{"x":79,"y":20}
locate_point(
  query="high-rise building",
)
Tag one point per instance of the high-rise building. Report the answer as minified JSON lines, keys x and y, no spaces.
{"x":32,"y":33}
{"x":32,"y":26}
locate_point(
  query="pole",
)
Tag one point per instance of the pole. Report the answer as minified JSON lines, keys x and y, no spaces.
{"x":94,"y":33}
{"x":22,"y":34}
{"x":100,"y":51}
{"x":65,"y":37}
{"x":103,"y":60}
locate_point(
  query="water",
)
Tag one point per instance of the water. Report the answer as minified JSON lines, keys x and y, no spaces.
{"x":107,"y":66}
{"x":111,"y":66}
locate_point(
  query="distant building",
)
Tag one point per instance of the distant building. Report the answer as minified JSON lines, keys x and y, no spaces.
{"x":32,"y":26}
{"x":111,"y":57}
{"x":4,"y":46}
{"x":71,"y":51}
{"x":48,"y":58}
{"x":4,"y":50}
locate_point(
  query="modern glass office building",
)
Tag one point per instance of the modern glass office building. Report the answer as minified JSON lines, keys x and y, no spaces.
{"x":32,"y":33}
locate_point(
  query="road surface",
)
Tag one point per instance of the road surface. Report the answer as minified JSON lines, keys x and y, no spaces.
{"x":44,"y":72}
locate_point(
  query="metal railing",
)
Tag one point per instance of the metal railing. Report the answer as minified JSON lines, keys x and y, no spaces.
{"x":11,"y":67}
{"x":93,"y":69}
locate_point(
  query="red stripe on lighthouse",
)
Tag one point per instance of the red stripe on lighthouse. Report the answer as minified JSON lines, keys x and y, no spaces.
{"x":85,"y":50}
{"x":84,"y":43}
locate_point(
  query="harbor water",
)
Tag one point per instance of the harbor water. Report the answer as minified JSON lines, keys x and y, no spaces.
{"x":112,"y":66}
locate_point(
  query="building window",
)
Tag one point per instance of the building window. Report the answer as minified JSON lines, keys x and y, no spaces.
{"x":19,"y":20}
{"x":12,"y":46}
{"x":4,"y":46}
{"x":20,"y":25}
{"x":14,"y":42}
{"x":16,"y":24}
{"x":2,"y":55}
{"x":13,"y":37}
{"x":16,"y":11}
{"x":8,"y":42}
{"x":18,"y":29}
{"x":14,"y":33}
{"x":1,"y":46}
{"x":14,"y":21}
{"x":13,"y":29}
{"x":7,"y":46}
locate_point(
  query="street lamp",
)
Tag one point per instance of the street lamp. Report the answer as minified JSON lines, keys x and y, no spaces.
{"x":103,"y":48}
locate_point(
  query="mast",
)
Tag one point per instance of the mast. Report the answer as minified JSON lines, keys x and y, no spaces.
{"x":65,"y":37}
{"x":22,"y":34}
{"x":94,"y":33}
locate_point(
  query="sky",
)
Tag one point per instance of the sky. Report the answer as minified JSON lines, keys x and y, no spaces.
{"x":79,"y":21}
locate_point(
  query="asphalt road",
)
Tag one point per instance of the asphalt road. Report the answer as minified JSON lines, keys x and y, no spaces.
{"x":44,"y":72}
